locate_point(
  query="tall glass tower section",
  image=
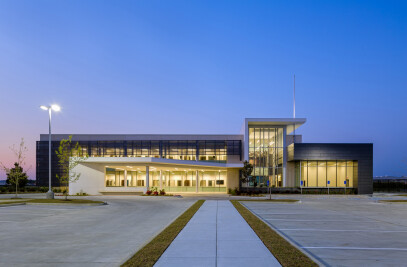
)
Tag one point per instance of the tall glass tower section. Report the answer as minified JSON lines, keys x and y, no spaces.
{"x":266,"y":153}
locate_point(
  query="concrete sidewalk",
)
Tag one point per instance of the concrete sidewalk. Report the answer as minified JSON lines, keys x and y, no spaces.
{"x":217,"y":236}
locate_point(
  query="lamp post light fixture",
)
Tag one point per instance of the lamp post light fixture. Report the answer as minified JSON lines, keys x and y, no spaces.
{"x":50,"y":194}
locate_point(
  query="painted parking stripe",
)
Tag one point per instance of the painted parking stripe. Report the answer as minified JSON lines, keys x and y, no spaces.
{"x":295,"y":220}
{"x":330,"y":230}
{"x":357,"y":248}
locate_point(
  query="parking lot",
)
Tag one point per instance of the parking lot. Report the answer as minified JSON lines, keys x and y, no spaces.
{"x":43,"y":235}
{"x":342,"y":231}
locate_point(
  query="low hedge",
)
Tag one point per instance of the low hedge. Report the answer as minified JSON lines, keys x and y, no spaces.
{"x":6,"y":189}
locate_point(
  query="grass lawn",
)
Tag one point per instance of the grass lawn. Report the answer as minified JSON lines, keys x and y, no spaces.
{"x":20,"y":198}
{"x":63,"y":201}
{"x":273,"y":200}
{"x":394,"y":201}
{"x":150,"y":253}
{"x":11,"y":202}
{"x":285,"y":253}
{"x":53,"y":201}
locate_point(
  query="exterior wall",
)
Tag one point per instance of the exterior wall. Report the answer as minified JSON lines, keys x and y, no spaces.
{"x":91,"y":181}
{"x":290,"y":174}
{"x":362,"y":153}
{"x":291,"y":138}
{"x":234,"y":159}
{"x":232,"y":179}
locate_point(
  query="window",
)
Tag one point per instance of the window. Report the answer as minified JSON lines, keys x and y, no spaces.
{"x":319,"y":173}
{"x":266,"y":150}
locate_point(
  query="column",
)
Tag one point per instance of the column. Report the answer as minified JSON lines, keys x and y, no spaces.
{"x":197,"y":181}
{"x":147,"y":177}
{"x":284,"y":156}
{"x":161,"y":179}
{"x":125,"y":178}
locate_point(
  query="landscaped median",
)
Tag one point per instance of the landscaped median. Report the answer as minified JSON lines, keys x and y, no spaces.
{"x":150,"y":253}
{"x":17,"y":201}
{"x":281,"y":200}
{"x":285,"y":253}
{"x":393,"y":201}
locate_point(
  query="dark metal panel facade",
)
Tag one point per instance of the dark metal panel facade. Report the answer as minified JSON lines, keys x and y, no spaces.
{"x":362,"y":153}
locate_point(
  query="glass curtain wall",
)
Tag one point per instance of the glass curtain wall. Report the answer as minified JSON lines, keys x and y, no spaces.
{"x":212,"y":181}
{"x":339,"y":173}
{"x":136,"y":178}
{"x":202,"y":150}
{"x":266,"y":150}
{"x":172,"y":180}
{"x":179,"y":181}
{"x":115,"y":178}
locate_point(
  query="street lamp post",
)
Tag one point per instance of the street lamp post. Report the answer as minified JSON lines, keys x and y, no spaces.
{"x":50,"y":194}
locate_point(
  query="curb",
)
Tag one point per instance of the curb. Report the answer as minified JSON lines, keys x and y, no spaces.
{"x":272,"y":202}
{"x":391,"y":202}
{"x":69,"y":204}
{"x":12,"y":204}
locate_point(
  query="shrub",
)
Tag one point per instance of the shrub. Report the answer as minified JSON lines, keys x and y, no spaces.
{"x":148,"y":192}
{"x":43,"y":189}
{"x":32,"y":188}
{"x":162,"y":192}
{"x":81,"y":193}
{"x":155,"y":193}
{"x":234,"y":192}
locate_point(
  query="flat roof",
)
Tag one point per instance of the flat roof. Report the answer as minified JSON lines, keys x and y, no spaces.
{"x":145,"y":137}
{"x":159,"y":161}
{"x":291,"y":123}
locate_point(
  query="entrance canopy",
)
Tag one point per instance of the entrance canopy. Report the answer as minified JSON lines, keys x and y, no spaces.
{"x":149,"y":161}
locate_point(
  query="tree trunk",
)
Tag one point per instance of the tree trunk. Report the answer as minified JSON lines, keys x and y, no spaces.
{"x":16,"y":189}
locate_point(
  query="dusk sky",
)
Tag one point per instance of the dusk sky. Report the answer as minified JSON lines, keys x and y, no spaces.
{"x":129,"y":67}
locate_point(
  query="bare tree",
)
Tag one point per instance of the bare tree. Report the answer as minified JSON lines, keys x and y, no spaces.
{"x":15,"y":174}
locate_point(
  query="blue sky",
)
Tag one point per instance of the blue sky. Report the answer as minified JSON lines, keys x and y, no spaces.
{"x":203,"y":66}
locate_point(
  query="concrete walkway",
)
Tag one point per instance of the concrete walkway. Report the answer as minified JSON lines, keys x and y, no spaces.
{"x":217,"y":236}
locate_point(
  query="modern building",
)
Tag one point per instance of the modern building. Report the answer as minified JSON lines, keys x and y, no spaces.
{"x":212,"y":163}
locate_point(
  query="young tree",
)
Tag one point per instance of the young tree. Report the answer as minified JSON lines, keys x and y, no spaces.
{"x":246,"y":172}
{"x":16,"y":176}
{"x":68,"y":158}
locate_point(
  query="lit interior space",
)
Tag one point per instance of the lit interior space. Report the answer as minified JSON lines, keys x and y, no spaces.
{"x":171,"y":179}
{"x":332,"y":173}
